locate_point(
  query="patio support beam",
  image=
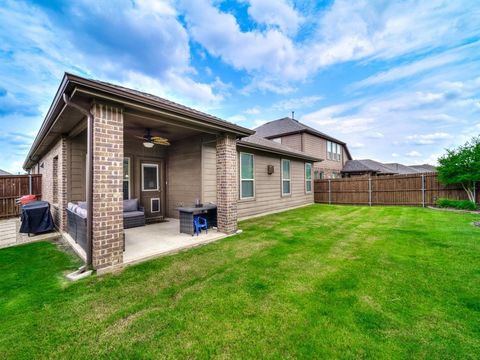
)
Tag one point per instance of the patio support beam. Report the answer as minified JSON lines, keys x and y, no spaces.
{"x":227,"y":183}
{"x":107,"y":198}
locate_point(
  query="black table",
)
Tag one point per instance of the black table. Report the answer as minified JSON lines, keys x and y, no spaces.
{"x":209,"y":212}
{"x":36,"y":218}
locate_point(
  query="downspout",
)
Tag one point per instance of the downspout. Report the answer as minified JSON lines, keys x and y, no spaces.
{"x":89,"y":169}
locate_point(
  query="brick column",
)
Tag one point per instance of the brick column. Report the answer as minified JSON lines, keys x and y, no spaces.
{"x":227,"y":184}
{"x":107,"y":229}
{"x":62,"y":184}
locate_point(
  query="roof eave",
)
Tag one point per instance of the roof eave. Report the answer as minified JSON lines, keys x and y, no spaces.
{"x":240,"y":130}
{"x":79,"y":81}
{"x":47,"y":122}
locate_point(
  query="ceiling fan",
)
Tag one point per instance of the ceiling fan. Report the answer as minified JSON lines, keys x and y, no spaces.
{"x":150,"y":141}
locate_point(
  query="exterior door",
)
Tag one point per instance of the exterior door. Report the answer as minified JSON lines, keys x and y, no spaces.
{"x":151,"y":189}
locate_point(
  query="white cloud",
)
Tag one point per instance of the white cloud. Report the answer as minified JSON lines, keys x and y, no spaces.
{"x":407,"y":70}
{"x":276,"y":13}
{"x":297,"y":104}
{"x":253,"y":111}
{"x":425,"y":139}
{"x":357,"y":145}
{"x":342,"y":32}
{"x":395,"y":155}
{"x":237,"y":118}
{"x":375,"y":135}
{"x":413,"y":153}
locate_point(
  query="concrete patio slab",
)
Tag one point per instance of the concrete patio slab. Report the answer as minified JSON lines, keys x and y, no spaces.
{"x":164,"y":238}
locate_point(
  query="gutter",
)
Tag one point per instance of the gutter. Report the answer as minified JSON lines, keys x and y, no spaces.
{"x":89,"y":169}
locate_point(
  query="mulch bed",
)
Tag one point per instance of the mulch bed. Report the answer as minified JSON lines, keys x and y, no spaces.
{"x":455,"y":210}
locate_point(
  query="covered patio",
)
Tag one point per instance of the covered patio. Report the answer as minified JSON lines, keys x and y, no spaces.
{"x":118,"y":145}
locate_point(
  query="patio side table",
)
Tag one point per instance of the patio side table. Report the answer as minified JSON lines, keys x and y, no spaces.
{"x":187,"y":213}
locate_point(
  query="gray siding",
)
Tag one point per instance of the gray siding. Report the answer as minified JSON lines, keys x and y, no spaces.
{"x":183,"y":174}
{"x":293,"y":141}
{"x":268,"y":196}
{"x":76,"y":171}
{"x":209,"y":173}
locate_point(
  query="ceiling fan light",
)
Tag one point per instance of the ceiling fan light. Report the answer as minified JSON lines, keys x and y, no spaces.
{"x":148,"y":144}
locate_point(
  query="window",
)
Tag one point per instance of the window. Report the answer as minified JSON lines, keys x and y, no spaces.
{"x":308,"y":178}
{"x":247,"y":176}
{"x":334,"y":151}
{"x":55,"y":180}
{"x":277,"y":140}
{"x":286,"y":177}
{"x":149,"y":177}
{"x":126,"y":178}
{"x":318,"y":175}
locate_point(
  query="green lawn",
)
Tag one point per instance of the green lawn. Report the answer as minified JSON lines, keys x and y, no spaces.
{"x":321,"y":281}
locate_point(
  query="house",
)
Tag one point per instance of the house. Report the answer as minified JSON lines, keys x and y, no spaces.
{"x":367,"y":167}
{"x":4,"y":173}
{"x":424,"y":168}
{"x":294,"y":134}
{"x":102,"y":143}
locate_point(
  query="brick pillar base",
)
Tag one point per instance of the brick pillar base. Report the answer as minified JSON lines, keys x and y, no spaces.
{"x":227,"y":184}
{"x":107,"y":229}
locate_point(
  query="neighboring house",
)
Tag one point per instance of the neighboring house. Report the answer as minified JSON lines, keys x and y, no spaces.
{"x":96,"y":145}
{"x":424,"y":168}
{"x":367,"y":167}
{"x":301,"y":137}
{"x":4,"y":173}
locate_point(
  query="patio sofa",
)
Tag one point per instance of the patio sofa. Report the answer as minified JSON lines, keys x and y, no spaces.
{"x":133,"y":216}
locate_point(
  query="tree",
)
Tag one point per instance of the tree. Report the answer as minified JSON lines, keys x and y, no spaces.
{"x":461,"y":166}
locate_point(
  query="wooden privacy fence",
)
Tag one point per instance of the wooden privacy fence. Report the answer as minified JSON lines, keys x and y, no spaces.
{"x":412,"y":190}
{"x":14,"y":186}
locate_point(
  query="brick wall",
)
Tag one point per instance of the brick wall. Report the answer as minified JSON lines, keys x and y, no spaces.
{"x":55,"y":191}
{"x":227,"y":184}
{"x":107,"y":232}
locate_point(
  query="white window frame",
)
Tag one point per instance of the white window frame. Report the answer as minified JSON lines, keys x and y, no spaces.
{"x":289,"y":177}
{"x":242,"y":179}
{"x":144,"y":165}
{"x":308,"y":180}
{"x":334,"y":151}
{"x":129,"y":176}
{"x":151,"y":205}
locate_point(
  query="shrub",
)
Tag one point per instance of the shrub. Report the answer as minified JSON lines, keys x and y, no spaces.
{"x":456,"y":204}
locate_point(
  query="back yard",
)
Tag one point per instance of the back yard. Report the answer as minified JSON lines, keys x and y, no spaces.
{"x":321,"y":281}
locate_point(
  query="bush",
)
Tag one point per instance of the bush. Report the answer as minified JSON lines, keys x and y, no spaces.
{"x":456,"y":204}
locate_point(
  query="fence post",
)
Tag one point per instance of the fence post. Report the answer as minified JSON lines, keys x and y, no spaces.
{"x":369,"y":191}
{"x":423,"y":190}
{"x":329,"y":191}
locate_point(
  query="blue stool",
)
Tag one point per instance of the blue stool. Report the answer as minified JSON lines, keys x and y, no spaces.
{"x":200,"y":223}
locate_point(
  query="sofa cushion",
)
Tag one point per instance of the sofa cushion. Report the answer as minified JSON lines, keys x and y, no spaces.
{"x":71,"y":206}
{"x":131,"y":214}
{"x":130,"y":205}
{"x":82,"y":204}
{"x":81,"y":212}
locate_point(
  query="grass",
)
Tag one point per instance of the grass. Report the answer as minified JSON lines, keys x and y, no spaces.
{"x":317,"y":282}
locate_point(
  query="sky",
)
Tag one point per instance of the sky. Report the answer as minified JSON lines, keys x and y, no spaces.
{"x":398,"y":81}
